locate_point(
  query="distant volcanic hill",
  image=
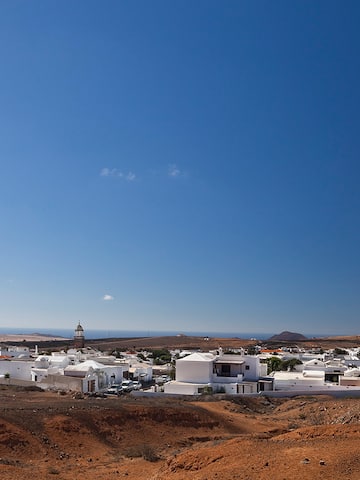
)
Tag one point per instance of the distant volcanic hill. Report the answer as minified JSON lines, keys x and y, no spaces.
{"x":288,"y":337}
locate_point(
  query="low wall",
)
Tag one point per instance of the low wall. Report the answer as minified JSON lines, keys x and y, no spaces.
{"x":62,"y":382}
{"x":17,"y":383}
{"x":332,"y":392}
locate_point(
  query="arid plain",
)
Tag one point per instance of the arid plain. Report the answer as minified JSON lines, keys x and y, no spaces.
{"x":46,"y":435}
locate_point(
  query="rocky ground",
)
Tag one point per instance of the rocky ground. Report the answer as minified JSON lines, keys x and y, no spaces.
{"x":45,"y":435}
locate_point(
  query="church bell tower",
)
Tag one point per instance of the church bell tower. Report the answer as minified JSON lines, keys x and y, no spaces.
{"x":79,"y":338}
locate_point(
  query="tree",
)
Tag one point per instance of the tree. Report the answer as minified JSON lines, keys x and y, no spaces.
{"x":274,"y":364}
{"x":161,"y":356}
{"x":251,"y":350}
{"x":340,"y":351}
{"x":290,"y":364}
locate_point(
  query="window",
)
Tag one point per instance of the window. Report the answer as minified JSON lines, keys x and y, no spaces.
{"x":247,"y":367}
{"x":225,"y":371}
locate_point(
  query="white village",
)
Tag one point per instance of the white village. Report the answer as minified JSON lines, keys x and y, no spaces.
{"x":87,"y":371}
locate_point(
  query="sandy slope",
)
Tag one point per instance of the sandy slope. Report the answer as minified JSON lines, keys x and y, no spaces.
{"x":46,"y":436}
{"x":26,"y":337}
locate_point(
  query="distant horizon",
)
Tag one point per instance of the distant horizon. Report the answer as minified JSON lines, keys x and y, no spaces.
{"x":111,"y":333}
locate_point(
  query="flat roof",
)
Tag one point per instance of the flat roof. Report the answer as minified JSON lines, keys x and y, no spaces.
{"x":227,"y":362}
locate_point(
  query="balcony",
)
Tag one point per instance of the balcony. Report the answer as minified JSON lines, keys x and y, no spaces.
{"x":227,"y":378}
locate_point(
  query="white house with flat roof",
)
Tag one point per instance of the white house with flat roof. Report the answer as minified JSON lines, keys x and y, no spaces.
{"x":206,"y":372}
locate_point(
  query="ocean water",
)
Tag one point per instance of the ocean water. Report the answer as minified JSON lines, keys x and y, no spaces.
{"x":93,"y":334}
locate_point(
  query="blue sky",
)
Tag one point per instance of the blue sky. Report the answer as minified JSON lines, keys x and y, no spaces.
{"x":187,"y":166}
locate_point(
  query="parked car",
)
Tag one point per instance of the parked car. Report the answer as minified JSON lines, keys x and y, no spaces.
{"x":114,"y":390}
{"x":127,"y":385}
{"x":136,"y":385}
{"x":162,"y":379}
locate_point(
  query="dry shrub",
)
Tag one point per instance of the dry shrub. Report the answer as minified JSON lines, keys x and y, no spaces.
{"x":53,"y":471}
{"x":145,"y":451}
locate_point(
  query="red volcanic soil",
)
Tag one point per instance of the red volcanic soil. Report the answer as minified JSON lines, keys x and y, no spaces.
{"x":45,"y":435}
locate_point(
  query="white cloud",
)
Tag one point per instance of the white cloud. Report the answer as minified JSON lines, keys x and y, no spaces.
{"x":173,"y":170}
{"x":115,"y":172}
{"x":111,"y":172}
{"x":107,"y":297}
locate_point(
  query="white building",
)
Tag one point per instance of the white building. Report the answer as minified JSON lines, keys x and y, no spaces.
{"x":86,"y":377}
{"x":315,"y":375}
{"x":16,"y":369}
{"x":64,"y":371}
{"x":45,"y":365}
{"x":205,"y":372}
{"x":289,"y":381}
{"x":14,"y":352}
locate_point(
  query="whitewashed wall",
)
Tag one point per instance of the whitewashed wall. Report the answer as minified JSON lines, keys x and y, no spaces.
{"x":194,"y":371}
{"x":19,"y":369}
